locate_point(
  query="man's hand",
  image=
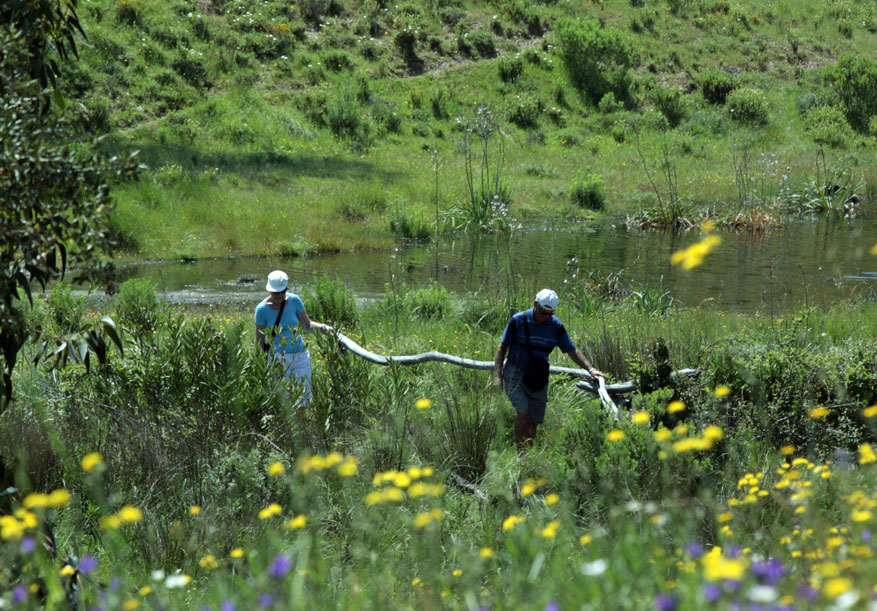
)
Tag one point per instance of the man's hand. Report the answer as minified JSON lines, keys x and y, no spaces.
{"x":596,"y":373}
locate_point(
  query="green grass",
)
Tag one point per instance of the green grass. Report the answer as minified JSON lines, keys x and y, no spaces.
{"x":188,"y":418}
{"x":316,"y":121}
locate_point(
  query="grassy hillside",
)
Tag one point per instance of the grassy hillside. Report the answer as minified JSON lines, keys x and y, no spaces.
{"x":281,"y":127}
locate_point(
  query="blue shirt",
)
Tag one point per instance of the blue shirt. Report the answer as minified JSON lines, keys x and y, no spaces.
{"x":289,"y":339}
{"x":543,"y":338}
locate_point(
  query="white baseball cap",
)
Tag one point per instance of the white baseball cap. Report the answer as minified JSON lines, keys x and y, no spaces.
{"x":547,"y":299}
{"x":277,"y":281}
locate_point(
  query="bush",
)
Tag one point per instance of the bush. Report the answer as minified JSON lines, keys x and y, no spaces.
{"x":716,"y":85}
{"x":440,"y":102}
{"x":406,"y":42}
{"x":385,"y":114}
{"x":342,"y":113}
{"x":128,"y":12}
{"x":526,"y":110}
{"x":66,"y":308}
{"x":432,"y":302}
{"x":510,"y":68}
{"x":608,"y":104}
{"x":597,"y":59}
{"x":332,"y":302}
{"x":476,"y":44}
{"x":855,"y":79}
{"x":671,"y":103}
{"x":828,"y":125}
{"x":748,"y":105}
{"x":337,"y":60}
{"x":190,"y":68}
{"x":587,"y":192}
{"x":138,"y":307}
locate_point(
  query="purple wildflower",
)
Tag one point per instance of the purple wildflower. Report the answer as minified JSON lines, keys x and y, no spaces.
{"x":87,"y":564}
{"x":711,"y":592}
{"x":552,"y":605}
{"x":19,"y":594}
{"x":114,"y":584}
{"x":695,"y":550}
{"x":666,"y":602}
{"x":27,"y":545}
{"x":280,"y":566}
{"x":265,"y":600}
{"x":732,"y":585}
{"x":808,"y":592}
{"x":227,"y":605}
{"x":734,"y":551}
{"x":866,"y":536}
{"x":769,"y":572}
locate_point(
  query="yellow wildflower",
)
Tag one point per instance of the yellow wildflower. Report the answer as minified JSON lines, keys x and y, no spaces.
{"x":675,"y":406}
{"x":276,"y":469}
{"x":550,"y":530}
{"x":194,"y":510}
{"x":552,"y":499}
{"x":423,"y":404}
{"x":130,"y":604}
{"x":512,"y":521}
{"x":787,"y":450}
{"x":209,"y":562}
{"x":870,"y":412}
{"x":837,"y":586}
{"x":641,"y":418}
{"x":485,"y":553}
{"x":866,"y":454}
{"x":236,"y":553}
{"x":349,"y":467}
{"x":721,"y":391}
{"x":271,"y":510}
{"x":130,"y":514}
{"x":585,"y":539}
{"x":817,"y":412}
{"x":91,"y":461}
{"x":615,"y":435}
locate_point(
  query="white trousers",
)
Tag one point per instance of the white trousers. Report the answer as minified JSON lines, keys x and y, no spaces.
{"x":297,"y":368}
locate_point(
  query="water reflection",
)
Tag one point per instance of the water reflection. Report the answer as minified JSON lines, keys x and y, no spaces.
{"x":813,"y":261}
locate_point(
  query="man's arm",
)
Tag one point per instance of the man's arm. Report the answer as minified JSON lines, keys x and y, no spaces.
{"x":579,"y":359}
{"x":497,"y":364}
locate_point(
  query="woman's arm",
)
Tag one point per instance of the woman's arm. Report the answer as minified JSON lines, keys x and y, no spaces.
{"x":307,"y":324}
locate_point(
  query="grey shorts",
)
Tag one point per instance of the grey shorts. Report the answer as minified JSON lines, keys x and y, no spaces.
{"x":522,"y":397}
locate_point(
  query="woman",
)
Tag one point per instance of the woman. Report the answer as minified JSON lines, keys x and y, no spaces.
{"x":282,"y":314}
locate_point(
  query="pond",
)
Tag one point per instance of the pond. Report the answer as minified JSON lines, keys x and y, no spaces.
{"x":809,"y":261}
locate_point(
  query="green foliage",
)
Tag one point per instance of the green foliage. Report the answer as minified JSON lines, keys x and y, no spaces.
{"x":430,"y":302}
{"x":597,"y":59}
{"x":855,"y":79}
{"x":342,"y":114}
{"x":828,"y":125}
{"x":526,"y":110}
{"x":510,"y":68}
{"x":332,"y":302}
{"x":587,"y":192}
{"x":63,"y":193}
{"x":476,"y":43}
{"x":67,"y":309}
{"x":608,"y":104}
{"x":716,"y":85}
{"x":748,"y":105}
{"x":671,"y":102}
{"x":138,"y":307}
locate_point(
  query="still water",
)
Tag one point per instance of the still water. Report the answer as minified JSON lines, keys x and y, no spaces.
{"x":815,"y":261}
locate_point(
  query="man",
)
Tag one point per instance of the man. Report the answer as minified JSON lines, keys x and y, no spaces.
{"x":529,"y":337}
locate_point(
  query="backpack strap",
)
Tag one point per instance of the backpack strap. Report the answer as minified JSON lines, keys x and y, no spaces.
{"x":277,"y":322}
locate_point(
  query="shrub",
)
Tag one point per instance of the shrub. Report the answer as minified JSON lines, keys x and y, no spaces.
{"x":587,"y":192}
{"x":337,"y":60}
{"x":716,"y":85}
{"x":406,"y":42}
{"x":748,"y":105}
{"x":440,"y":102}
{"x":671,"y":103}
{"x":527,"y":15}
{"x":608,"y":104}
{"x":342,"y":113}
{"x":138,"y":307}
{"x":190,"y":68}
{"x":385,"y":114}
{"x":66,"y":308}
{"x":526,"y":110}
{"x":510,"y":68}
{"x":597,"y":59}
{"x":432,"y":302}
{"x":828,"y":125}
{"x":855,"y":79}
{"x":478,"y":43}
{"x":128,"y":12}
{"x":332,"y":301}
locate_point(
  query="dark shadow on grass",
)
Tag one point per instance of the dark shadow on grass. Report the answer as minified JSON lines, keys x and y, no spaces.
{"x":256,"y":162}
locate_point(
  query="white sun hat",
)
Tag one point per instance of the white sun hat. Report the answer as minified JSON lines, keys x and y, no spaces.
{"x":277,"y":281}
{"x":547,"y":299}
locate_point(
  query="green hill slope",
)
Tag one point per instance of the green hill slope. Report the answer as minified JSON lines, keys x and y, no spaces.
{"x":282,"y":127}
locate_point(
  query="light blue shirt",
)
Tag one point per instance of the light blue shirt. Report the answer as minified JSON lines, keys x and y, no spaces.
{"x":543,"y":338}
{"x":289,"y":339}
